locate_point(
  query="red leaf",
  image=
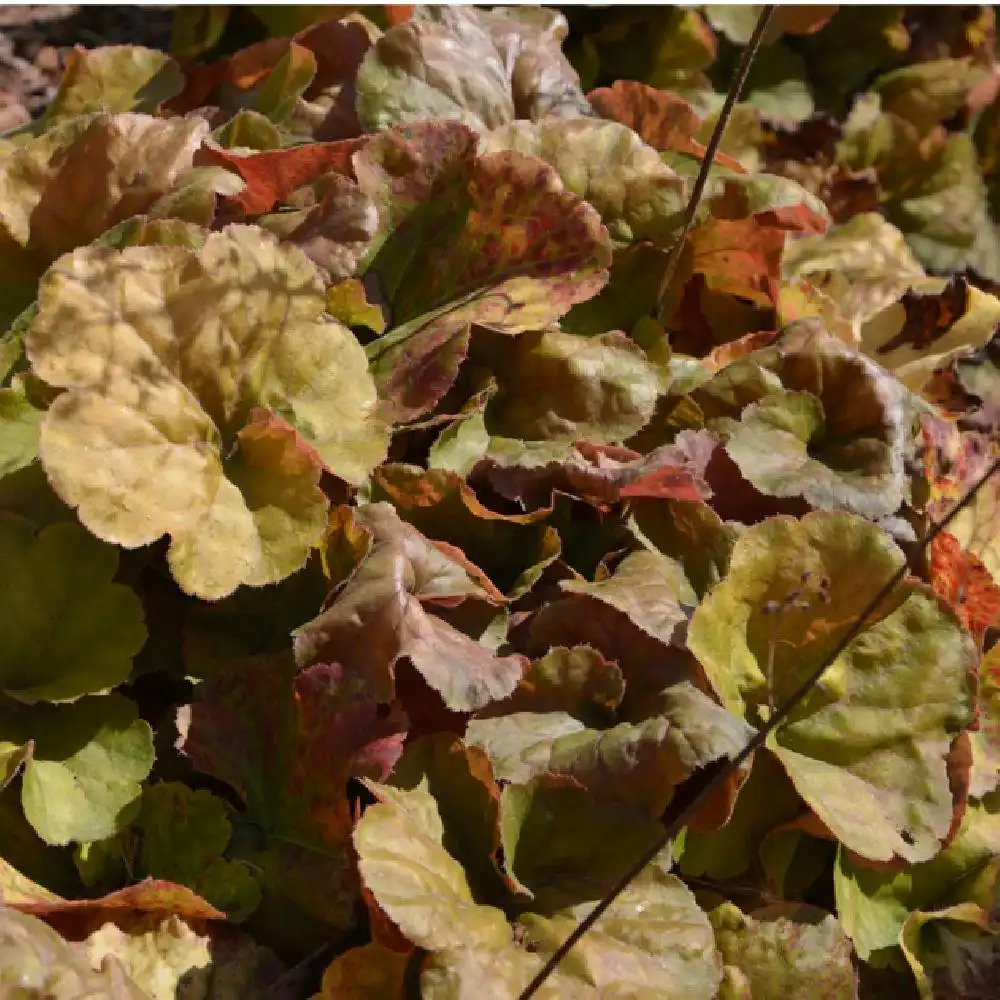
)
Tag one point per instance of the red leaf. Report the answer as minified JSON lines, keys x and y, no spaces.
{"x":273,"y":175}
{"x":965,"y":583}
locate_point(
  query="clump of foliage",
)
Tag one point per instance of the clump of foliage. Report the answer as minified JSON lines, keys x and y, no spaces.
{"x":387,"y":559}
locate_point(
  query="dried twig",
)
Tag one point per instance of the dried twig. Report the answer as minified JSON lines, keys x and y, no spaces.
{"x":713,"y":147}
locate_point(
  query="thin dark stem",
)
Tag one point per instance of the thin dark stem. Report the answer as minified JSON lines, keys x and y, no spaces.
{"x":713,"y":147}
{"x":755,"y":744}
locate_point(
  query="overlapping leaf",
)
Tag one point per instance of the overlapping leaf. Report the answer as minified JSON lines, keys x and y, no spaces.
{"x":386,"y":611}
{"x":421,"y":69}
{"x":519,"y":250}
{"x":287,"y":747}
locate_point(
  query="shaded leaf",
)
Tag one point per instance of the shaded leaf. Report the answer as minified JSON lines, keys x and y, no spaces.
{"x":68,"y":629}
{"x":512,"y":548}
{"x":287,"y":746}
{"x":563,"y":847}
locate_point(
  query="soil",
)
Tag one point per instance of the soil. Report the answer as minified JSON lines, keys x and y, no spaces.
{"x":34,"y":40}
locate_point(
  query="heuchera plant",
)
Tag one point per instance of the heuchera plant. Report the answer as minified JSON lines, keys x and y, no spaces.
{"x":385,"y":559}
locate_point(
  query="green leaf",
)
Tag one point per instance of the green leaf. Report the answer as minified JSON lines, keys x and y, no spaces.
{"x":786,"y":950}
{"x":556,"y":386}
{"x":19,"y":429}
{"x":418,"y":884}
{"x":563,"y":846}
{"x":461,"y":781}
{"x":766,"y":799}
{"x":637,"y":195}
{"x":384,"y":613}
{"x":578,"y":681}
{"x":68,"y":629}
{"x":36,"y":962}
{"x":81,"y":782}
{"x":634,"y":764}
{"x":838,"y":442}
{"x":927,"y":93}
{"x":778,"y":447}
{"x":653,"y":940}
{"x":112,"y":79}
{"x":650,"y":589}
{"x":169,"y":409}
{"x":182,"y":837}
{"x":932,"y":189}
{"x":873,"y":905}
{"x":879,"y":724}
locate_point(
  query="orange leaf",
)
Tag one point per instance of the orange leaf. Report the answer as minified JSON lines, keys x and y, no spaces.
{"x":663,"y":120}
{"x":273,"y":175}
{"x":739,"y":256}
{"x":965,"y":583}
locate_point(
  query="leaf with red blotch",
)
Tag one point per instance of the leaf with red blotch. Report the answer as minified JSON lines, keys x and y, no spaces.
{"x":271,"y":176}
{"x":965,"y":583}
{"x":602,"y":474}
{"x":661,"y":119}
{"x":148,"y":896}
{"x":515,"y":250}
{"x":288,"y":744}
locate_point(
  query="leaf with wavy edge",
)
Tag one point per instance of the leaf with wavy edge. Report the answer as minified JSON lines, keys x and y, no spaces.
{"x":161,"y":432}
{"x":517,"y":251}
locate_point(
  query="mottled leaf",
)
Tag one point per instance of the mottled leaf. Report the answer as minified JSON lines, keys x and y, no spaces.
{"x":786,"y":950}
{"x":638,"y":196}
{"x":172,"y":405}
{"x":287,"y":746}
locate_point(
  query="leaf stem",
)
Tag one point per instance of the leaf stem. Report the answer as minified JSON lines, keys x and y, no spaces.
{"x":735,"y":89}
